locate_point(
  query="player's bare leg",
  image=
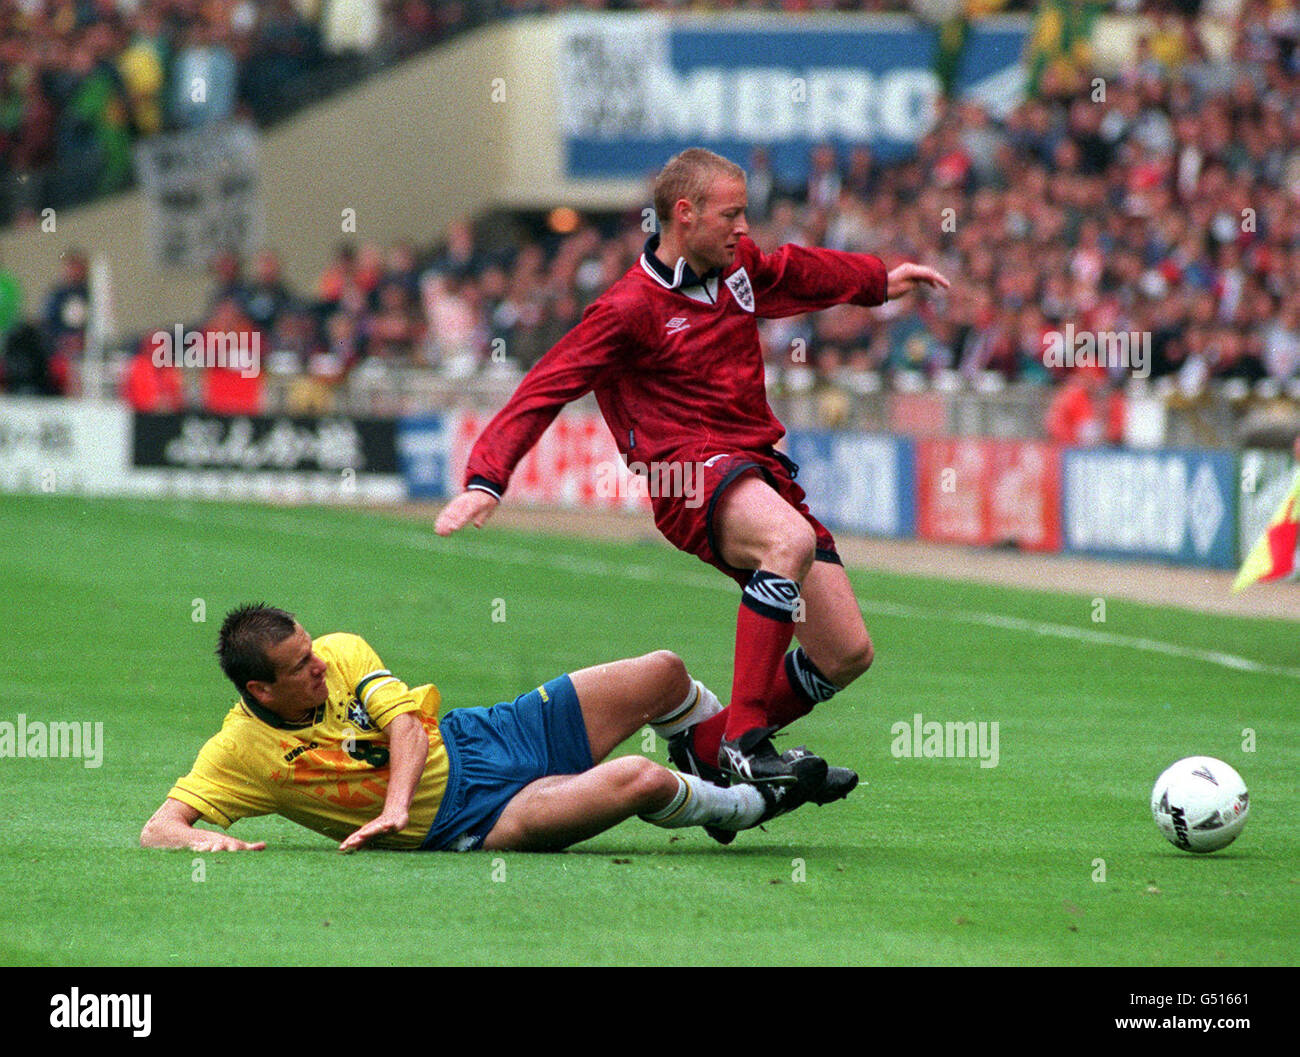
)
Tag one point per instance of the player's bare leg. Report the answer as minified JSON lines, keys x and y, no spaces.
{"x":833,"y":632}
{"x":552,"y":813}
{"x":555,"y":812}
{"x":619,"y":698}
{"x":757,"y":529}
{"x":616,"y":700}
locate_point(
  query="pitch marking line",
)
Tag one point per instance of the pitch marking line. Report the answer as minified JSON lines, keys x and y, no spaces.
{"x":1101,"y":638}
{"x":594,"y":567}
{"x":422,"y":540}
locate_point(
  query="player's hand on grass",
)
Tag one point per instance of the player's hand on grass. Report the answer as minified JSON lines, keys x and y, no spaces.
{"x":388,"y":822}
{"x":473,"y":505}
{"x":907,"y":277}
{"x":205,"y":841}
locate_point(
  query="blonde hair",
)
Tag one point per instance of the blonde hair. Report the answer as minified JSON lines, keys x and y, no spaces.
{"x":689,"y":175}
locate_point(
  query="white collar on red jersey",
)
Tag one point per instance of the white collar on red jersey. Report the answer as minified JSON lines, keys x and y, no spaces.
{"x":682,"y":277}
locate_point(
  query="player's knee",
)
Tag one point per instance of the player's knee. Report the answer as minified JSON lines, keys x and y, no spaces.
{"x":669,"y":677}
{"x":671,"y":667}
{"x":644,"y":783}
{"x":656,"y":785}
{"x":791,"y":550}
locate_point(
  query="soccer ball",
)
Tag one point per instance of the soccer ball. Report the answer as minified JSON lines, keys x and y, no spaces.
{"x":1200,"y":804}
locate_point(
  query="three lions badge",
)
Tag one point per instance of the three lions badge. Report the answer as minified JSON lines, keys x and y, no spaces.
{"x":738,"y":283}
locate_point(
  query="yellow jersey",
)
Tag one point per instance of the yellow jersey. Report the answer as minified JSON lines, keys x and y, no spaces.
{"x":331,"y":773}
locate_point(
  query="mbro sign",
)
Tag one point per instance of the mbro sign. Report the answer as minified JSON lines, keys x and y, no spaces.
{"x":634,"y":91}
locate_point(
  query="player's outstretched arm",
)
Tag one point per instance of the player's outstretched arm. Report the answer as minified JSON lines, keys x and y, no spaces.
{"x":907,"y":277}
{"x":473,"y":505}
{"x":172,"y":826}
{"x":409,"y":752}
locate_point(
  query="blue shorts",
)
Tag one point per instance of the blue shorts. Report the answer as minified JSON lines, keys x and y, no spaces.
{"x":495,"y":752}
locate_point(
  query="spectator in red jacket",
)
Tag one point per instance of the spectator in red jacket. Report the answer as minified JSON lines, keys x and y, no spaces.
{"x":1086,"y":410}
{"x":149,"y":386}
{"x":237,"y":389}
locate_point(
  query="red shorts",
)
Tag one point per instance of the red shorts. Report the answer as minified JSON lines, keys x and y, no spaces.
{"x":687,"y":521}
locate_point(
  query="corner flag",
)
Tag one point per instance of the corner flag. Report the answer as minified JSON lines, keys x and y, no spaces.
{"x":1276,"y":555}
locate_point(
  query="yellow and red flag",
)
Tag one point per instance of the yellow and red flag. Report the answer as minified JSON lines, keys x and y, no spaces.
{"x":1276,"y":556}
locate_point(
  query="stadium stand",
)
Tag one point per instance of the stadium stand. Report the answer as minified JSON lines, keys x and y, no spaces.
{"x":81,"y":81}
{"x":1124,"y":217}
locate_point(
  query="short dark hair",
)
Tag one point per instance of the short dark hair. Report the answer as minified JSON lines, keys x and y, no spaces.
{"x":246,"y":634}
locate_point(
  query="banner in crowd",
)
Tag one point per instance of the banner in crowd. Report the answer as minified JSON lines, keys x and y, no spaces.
{"x":634,"y":90}
{"x":575,"y":464}
{"x":201,"y":191}
{"x":856,"y":482}
{"x":423,"y":451}
{"x":984,"y":492}
{"x":1171,"y":505}
{"x":53,"y":445}
{"x":327,"y":459}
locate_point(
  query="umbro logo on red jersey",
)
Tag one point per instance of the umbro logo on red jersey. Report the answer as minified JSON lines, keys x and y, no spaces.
{"x":676,"y":324}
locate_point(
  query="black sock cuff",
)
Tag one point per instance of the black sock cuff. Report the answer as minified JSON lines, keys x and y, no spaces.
{"x":807,"y":678}
{"x":771,"y":596}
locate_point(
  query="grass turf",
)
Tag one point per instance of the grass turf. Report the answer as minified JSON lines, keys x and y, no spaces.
{"x":930,"y":861}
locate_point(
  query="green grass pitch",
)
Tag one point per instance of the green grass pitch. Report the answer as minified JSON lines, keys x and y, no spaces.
{"x":1049,"y":858}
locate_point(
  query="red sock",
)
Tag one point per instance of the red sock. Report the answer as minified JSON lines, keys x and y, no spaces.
{"x":786,"y":704}
{"x":708,"y":736}
{"x":764,"y":628}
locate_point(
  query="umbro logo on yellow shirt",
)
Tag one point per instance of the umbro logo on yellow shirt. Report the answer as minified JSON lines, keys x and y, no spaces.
{"x":294,"y":753}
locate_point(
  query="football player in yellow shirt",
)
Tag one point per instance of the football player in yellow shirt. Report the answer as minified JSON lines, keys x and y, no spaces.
{"x":325,"y":735}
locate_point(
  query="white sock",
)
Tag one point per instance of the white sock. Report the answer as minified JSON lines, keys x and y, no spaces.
{"x":700,"y":704}
{"x":701,"y":803}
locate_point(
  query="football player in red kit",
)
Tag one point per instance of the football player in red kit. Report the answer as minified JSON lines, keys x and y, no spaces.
{"x":672,"y":352}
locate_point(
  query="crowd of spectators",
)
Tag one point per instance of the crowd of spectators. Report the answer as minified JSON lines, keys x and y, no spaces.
{"x":1167,"y":206}
{"x":82,"y":80}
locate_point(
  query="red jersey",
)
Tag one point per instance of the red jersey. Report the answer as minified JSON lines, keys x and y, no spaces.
{"x":674,"y":359}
